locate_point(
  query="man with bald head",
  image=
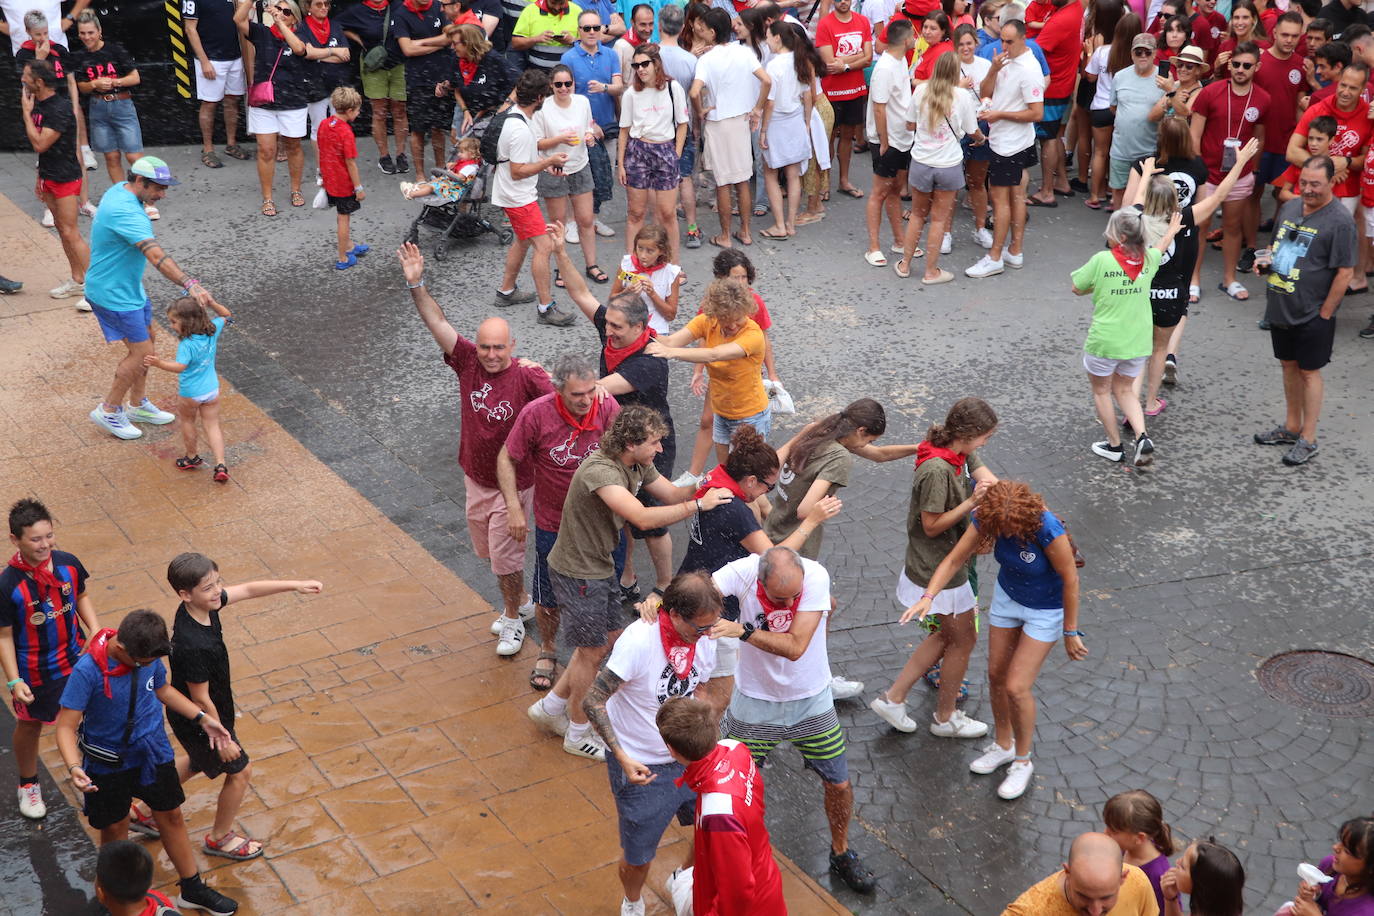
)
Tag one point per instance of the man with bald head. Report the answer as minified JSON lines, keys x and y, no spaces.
{"x":782,"y":682}
{"x":1096,"y":881}
{"x":493,"y":388}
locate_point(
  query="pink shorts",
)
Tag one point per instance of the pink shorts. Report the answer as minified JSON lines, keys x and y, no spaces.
{"x":1240,"y":192}
{"x":527,"y":221}
{"x":487,"y":526}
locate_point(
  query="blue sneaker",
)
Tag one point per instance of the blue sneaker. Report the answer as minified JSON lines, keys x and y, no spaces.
{"x":344,"y":265}
{"x":360,"y":249}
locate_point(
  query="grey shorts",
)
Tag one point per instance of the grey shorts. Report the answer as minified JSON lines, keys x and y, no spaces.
{"x":928,"y":178}
{"x":590,"y":608}
{"x":579,"y":182}
{"x":644,"y":812}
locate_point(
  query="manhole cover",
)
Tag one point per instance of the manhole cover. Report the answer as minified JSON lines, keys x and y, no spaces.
{"x":1330,"y":683}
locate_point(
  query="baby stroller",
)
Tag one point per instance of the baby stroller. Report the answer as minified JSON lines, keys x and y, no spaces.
{"x":457,"y":219}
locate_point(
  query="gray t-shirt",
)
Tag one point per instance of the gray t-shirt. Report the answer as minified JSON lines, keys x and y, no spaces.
{"x":1135,"y":136}
{"x":1308,"y":250}
{"x":679,"y":64}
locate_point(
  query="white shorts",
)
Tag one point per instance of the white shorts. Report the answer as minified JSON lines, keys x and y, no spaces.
{"x":228,"y":80}
{"x":205,"y":398}
{"x":287,"y":123}
{"x":727,"y":657}
{"x":1350,"y":203}
{"x":955,"y":600}
{"x":318,"y":112}
{"x":1100,"y":366}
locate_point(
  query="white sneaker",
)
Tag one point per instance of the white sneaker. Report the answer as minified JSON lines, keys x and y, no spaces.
{"x":151,"y":211}
{"x":628,"y":908}
{"x":88,"y":209}
{"x":687,"y":479}
{"x":68,"y":289}
{"x":893,"y":714}
{"x":946,"y":244}
{"x":47,"y":220}
{"x":116,"y":424}
{"x":1014,"y":261}
{"x":983,"y":237}
{"x":1017,"y":779}
{"x":526,"y":612}
{"x":603,"y":230}
{"x":590,"y":746}
{"x":148,"y":412}
{"x":513,"y":637}
{"x":571,"y":236}
{"x":841,"y":689}
{"x":994,"y":756}
{"x":958,"y":725}
{"x":31,"y":802}
{"x":82,"y":305}
{"x":986,"y":267}
{"x":88,"y":158}
{"x":679,"y":888}
{"x":556,"y":725}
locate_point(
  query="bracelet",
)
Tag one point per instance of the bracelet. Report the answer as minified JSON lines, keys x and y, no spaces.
{"x":357,"y":188}
{"x":73,"y":766}
{"x":200,"y":715}
{"x":1079,"y":633}
{"x":9,"y":685}
{"x":416,"y":285}
{"x":657,"y":591}
{"x":189,"y":282}
{"x":697,"y":502}
{"x":928,"y":595}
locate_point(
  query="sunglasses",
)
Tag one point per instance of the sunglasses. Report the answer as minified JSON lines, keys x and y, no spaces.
{"x":561,"y":84}
{"x":283,"y":11}
{"x":1142,"y":52}
{"x":591,"y":28}
{"x":1241,"y":65}
{"x":1186,"y":66}
{"x":702,"y":631}
{"x":641,"y":64}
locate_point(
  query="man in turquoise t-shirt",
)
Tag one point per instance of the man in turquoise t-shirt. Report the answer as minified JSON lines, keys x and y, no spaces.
{"x":121,"y":244}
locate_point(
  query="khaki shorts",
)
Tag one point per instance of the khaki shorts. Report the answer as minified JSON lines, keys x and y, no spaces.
{"x":488,"y":528}
{"x":384,"y":84}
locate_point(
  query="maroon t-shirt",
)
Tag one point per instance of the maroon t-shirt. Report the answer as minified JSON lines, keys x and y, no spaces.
{"x":543,"y":441}
{"x":1229,"y":116}
{"x":1284,"y":80}
{"x":490,"y":404}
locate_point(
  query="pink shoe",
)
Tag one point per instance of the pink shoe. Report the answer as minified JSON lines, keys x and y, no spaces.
{"x":1158,"y":408}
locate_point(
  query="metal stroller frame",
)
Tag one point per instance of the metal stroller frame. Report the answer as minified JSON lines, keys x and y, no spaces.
{"x":452,"y":221}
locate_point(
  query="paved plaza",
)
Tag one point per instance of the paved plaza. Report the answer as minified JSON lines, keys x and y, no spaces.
{"x":397,"y":770}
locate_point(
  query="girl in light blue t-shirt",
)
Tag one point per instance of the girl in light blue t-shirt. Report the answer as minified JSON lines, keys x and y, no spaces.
{"x":198,"y":384}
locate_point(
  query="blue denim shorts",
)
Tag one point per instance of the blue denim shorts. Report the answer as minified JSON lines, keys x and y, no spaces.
{"x":1044,"y":624}
{"x":131,"y":326}
{"x":644,"y":812}
{"x":114,"y":126}
{"x":541,"y":590}
{"x":721,"y":428}
{"x":688,"y":160}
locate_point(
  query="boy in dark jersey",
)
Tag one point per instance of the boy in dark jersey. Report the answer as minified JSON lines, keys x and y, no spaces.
{"x":200,"y":670}
{"x":42,"y":595}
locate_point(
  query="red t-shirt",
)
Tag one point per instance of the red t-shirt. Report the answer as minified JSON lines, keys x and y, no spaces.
{"x":1229,"y":116}
{"x":845,"y":38}
{"x":1288,"y":178}
{"x":1285,"y":81}
{"x":1036,"y":11}
{"x":1208,"y":31}
{"x":541,"y":438}
{"x":490,"y":403}
{"x":1353,"y":130}
{"x":1229,"y":44}
{"x":761,"y":317}
{"x":1061,"y":40}
{"x":153,"y":901}
{"x":926,"y":67}
{"x":336,"y":146}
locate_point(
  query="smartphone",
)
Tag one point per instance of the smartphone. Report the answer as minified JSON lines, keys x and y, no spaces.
{"x":1164,"y":69}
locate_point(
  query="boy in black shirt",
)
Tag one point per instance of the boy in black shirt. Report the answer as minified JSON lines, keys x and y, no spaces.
{"x":200,"y":670}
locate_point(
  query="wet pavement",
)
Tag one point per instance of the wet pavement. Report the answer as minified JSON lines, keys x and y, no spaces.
{"x":1198,"y":569}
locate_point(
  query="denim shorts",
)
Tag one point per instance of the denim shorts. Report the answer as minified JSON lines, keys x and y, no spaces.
{"x":541,"y":590}
{"x":1044,"y":624}
{"x":644,"y":812}
{"x":721,"y":428}
{"x":130,"y":326}
{"x":114,"y":126}
{"x":688,"y":160}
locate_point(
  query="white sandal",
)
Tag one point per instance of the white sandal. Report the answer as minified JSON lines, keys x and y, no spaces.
{"x":876,"y":259}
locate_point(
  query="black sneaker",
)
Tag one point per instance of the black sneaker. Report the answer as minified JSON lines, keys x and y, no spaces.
{"x":402,"y":164}
{"x":387,"y":165}
{"x":1106,"y":450}
{"x":1368,"y":332}
{"x":1171,"y":370}
{"x":1276,"y":436}
{"x":1263,"y":324}
{"x":1301,"y":452}
{"x":1247,"y":261}
{"x":849,"y":868}
{"x":197,"y":896}
{"x":629,"y":594}
{"x":1142,"y":453}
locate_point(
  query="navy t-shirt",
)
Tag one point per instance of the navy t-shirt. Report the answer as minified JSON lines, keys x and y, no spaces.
{"x":713,"y":540}
{"x":367,"y":23}
{"x":322,"y":76}
{"x":430,"y":69}
{"x":105,"y":716}
{"x":219,"y":35}
{"x":649,"y":376}
{"x":1027,"y":575}
{"x":288,"y":82}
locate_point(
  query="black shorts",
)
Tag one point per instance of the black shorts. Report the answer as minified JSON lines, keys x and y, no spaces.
{"x":1007,"y":171}
{"x":1308,"y":344}
{"x":345,"y":205}
{"x":663,"y":463}
{"x":426,"y":111}
{"x":1170,"y":306}
{"x":110,"y":804}
{"x":47,"y":699}
{"x":1083,"y":96}
{"x":890,"y":163}
{"x":850,"y":112}
{"x":1102,"y":117}
{"x":205,"y":759}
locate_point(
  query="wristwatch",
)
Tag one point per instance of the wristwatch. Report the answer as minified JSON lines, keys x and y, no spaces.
{"x":748,"y":632}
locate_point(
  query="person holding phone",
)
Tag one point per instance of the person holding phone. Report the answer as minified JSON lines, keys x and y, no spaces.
{"x":544,"y":31}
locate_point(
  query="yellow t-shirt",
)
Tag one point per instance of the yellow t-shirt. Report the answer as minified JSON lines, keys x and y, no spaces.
{"x":736,"y":384}
{"x":1046,"y":898}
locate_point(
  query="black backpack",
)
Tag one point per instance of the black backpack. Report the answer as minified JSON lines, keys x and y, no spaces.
{"x":492,"y":136}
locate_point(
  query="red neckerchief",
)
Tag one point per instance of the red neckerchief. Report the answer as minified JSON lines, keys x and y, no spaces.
{"x":640,"y":268}
{"x":586,"y":424}
{"x":377,"y":5}
{"x":467,"y":69}
{"x":49,"y":586}
{"x":276,"y":32}
{"x":319,"y":28}
{"x":634,"y":41}
{"x":777,"y":618}
{"x":616,"y":355}
{"x":926,"y":451}
{"x":418,"y":9}
{"x":719,"y":477}
{"x":716,"y":773}
{"x":680,"y":652}
{"x":460,"y":164}
{"x":1131,"y":266}
{"x":99,"y":649}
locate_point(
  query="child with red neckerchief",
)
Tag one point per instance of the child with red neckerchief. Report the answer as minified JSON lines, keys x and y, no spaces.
{"x":646,"y":270}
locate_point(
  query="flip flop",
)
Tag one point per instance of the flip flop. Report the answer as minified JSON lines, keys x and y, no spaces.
{"x":852,"y":192}
{"x":1235,"y":291}
{"x":716,"y":240}
{"x":875,"y":258}
{"x":784,"y":237}
{"x":807,"y":219}
{"x":1035,"y":202}
{"x":1059,"y":193}
{"x":742,"y":240}
{"x":1093,"y":203}
{"x":1194,"y":294}
{"x":900,"y":271}
{"x":944,"y":277}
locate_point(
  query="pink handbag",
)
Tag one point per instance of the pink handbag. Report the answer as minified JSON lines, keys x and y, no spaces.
{"x":261,"y":94}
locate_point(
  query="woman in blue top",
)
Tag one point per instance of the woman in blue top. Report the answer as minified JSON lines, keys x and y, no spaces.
{"x":198,"y":385}
{"x":1036,"y":598}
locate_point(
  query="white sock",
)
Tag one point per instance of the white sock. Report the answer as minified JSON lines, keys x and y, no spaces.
{"x":577,"y":732}
{"x":506,"y":292}
{"x":554,"y":705}
{"x":545,"y":307}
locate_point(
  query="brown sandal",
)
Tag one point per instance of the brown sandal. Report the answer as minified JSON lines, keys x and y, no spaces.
{"x":543,"y":678}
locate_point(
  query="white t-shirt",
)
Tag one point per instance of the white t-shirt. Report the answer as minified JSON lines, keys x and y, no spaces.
{"x":662,"y":281}
{"x":727,"y":73}
{"x":652,"y":115}
{"x":1097,"y":65}
{"x":771,"y":677}
{"x":1019,"y":84}
{"x":14,"y":17}
{"x":891,"y":85}
{"x":786,"y":92}
{"x":880,"y":11}
{"x":936,"y":144}
{"x":517,"y":144}
{"x":638,"y":659}
{"x":552,"y":119}
{"x":976,"y":71}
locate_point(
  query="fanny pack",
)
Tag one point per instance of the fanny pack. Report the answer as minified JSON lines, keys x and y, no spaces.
{"x":104,"y":755}
{"x":377,"y":58}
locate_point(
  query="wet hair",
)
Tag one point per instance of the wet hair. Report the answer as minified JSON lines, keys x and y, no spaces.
{"x":1010,"y":509}
{"x":1325,"y":125}
{"x":1335,"y":53}
{"x":190,"y":317}
{"x":655,"y":235}
{"x":26,"y":512}
{"x":969,"y":418}
{"x":1126,"y":228}
{"x":898,"y":31}
{"x":634,"y":425}
{"x":1127,"y":28}
{"x":345,"y":98}
{"x":532,"y":87}
{"x":632,"y":306}
{"x":1357,"y":836}
{"x":1138,"y":811}
{"x":718,"y":21}
{"x":143,"y":634}
{"x":42,"y":70}
{"x":750,"y":454}
{"x":1175,"y":140}
{"x":569,"y":366}
{"x":187,"y":570}
{"x":688,"y":725}
{"x":865,"y":413}
{"x":1218,"y":881}
{"x":475,"y":43}
{"x":727,"y":299}
{"x":692,"y":594}
{"x":124,"y":870}
{"x":1325,"y":27}
{"x":1321,"y":162}
{"x":730,"y":258}
{"x":670,"y":20}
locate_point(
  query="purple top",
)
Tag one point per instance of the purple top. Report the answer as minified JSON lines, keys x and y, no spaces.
{"x":1154,"y":870}
{"x":1362,"y":905}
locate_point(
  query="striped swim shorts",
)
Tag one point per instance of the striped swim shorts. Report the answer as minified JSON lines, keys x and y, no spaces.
{"x":819,"y":738}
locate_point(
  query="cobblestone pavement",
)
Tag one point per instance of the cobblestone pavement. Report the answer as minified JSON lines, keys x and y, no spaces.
{"x":1198,"y":568}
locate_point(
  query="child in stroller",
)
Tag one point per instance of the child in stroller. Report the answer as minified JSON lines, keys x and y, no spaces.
{"x":455,"y":183}
{"x":452,"y":200}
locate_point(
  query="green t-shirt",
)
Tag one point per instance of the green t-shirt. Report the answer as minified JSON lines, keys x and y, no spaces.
{"x":830,"y":461}
{"x":937,"y":487}
{"x":589,"y":530}
{"x":1123,"y":322}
